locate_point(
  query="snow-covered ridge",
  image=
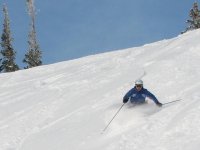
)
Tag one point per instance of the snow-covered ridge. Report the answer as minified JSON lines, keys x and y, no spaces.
{"x":66,"y":105}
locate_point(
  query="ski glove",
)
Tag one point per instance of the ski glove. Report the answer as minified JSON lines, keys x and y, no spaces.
{"x":159,"y":104}
{"x":125,"y":100}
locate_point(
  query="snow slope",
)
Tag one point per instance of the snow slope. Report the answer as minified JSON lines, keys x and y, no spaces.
{"x":65,"y":106}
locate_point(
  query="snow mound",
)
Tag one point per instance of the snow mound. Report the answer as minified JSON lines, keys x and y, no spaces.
{"x":67,"y":105}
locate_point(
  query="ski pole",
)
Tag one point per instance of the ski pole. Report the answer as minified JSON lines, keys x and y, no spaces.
{"x":172,"y":101}
{"x":113,"y":118}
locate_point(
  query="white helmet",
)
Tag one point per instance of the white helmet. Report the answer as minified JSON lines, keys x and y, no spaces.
{"x":139,"y":82}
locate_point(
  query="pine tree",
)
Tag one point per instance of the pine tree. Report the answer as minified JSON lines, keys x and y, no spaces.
{"x":194,"y":22}
{"x":8,"y":61}
{"x":34,"y":55}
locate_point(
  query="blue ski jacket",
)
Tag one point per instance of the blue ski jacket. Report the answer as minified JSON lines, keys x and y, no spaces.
{"x":139,"y":97}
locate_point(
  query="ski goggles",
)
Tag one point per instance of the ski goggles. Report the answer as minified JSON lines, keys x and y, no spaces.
{"x":139,"y":85}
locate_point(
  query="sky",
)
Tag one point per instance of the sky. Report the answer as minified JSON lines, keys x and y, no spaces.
{"x":69,"y":29}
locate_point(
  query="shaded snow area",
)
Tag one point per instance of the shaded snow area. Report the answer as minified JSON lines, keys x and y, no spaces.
{"x":65,"y":106}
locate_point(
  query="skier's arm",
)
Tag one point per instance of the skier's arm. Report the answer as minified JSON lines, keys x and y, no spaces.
{"x":151,"y":96}
{"x":127,"y":96}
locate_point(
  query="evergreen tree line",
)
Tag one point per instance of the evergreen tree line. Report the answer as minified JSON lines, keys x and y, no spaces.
{"x":33,"y":55}
{"x":194,"y":21}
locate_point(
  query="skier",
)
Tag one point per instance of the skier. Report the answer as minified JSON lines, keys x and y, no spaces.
{"x":138,"y":94}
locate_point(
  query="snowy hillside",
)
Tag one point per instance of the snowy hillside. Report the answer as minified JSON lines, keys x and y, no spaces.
{"x":65,"y":106}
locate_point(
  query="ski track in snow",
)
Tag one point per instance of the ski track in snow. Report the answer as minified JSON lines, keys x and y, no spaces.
{"x":68,"y":104}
